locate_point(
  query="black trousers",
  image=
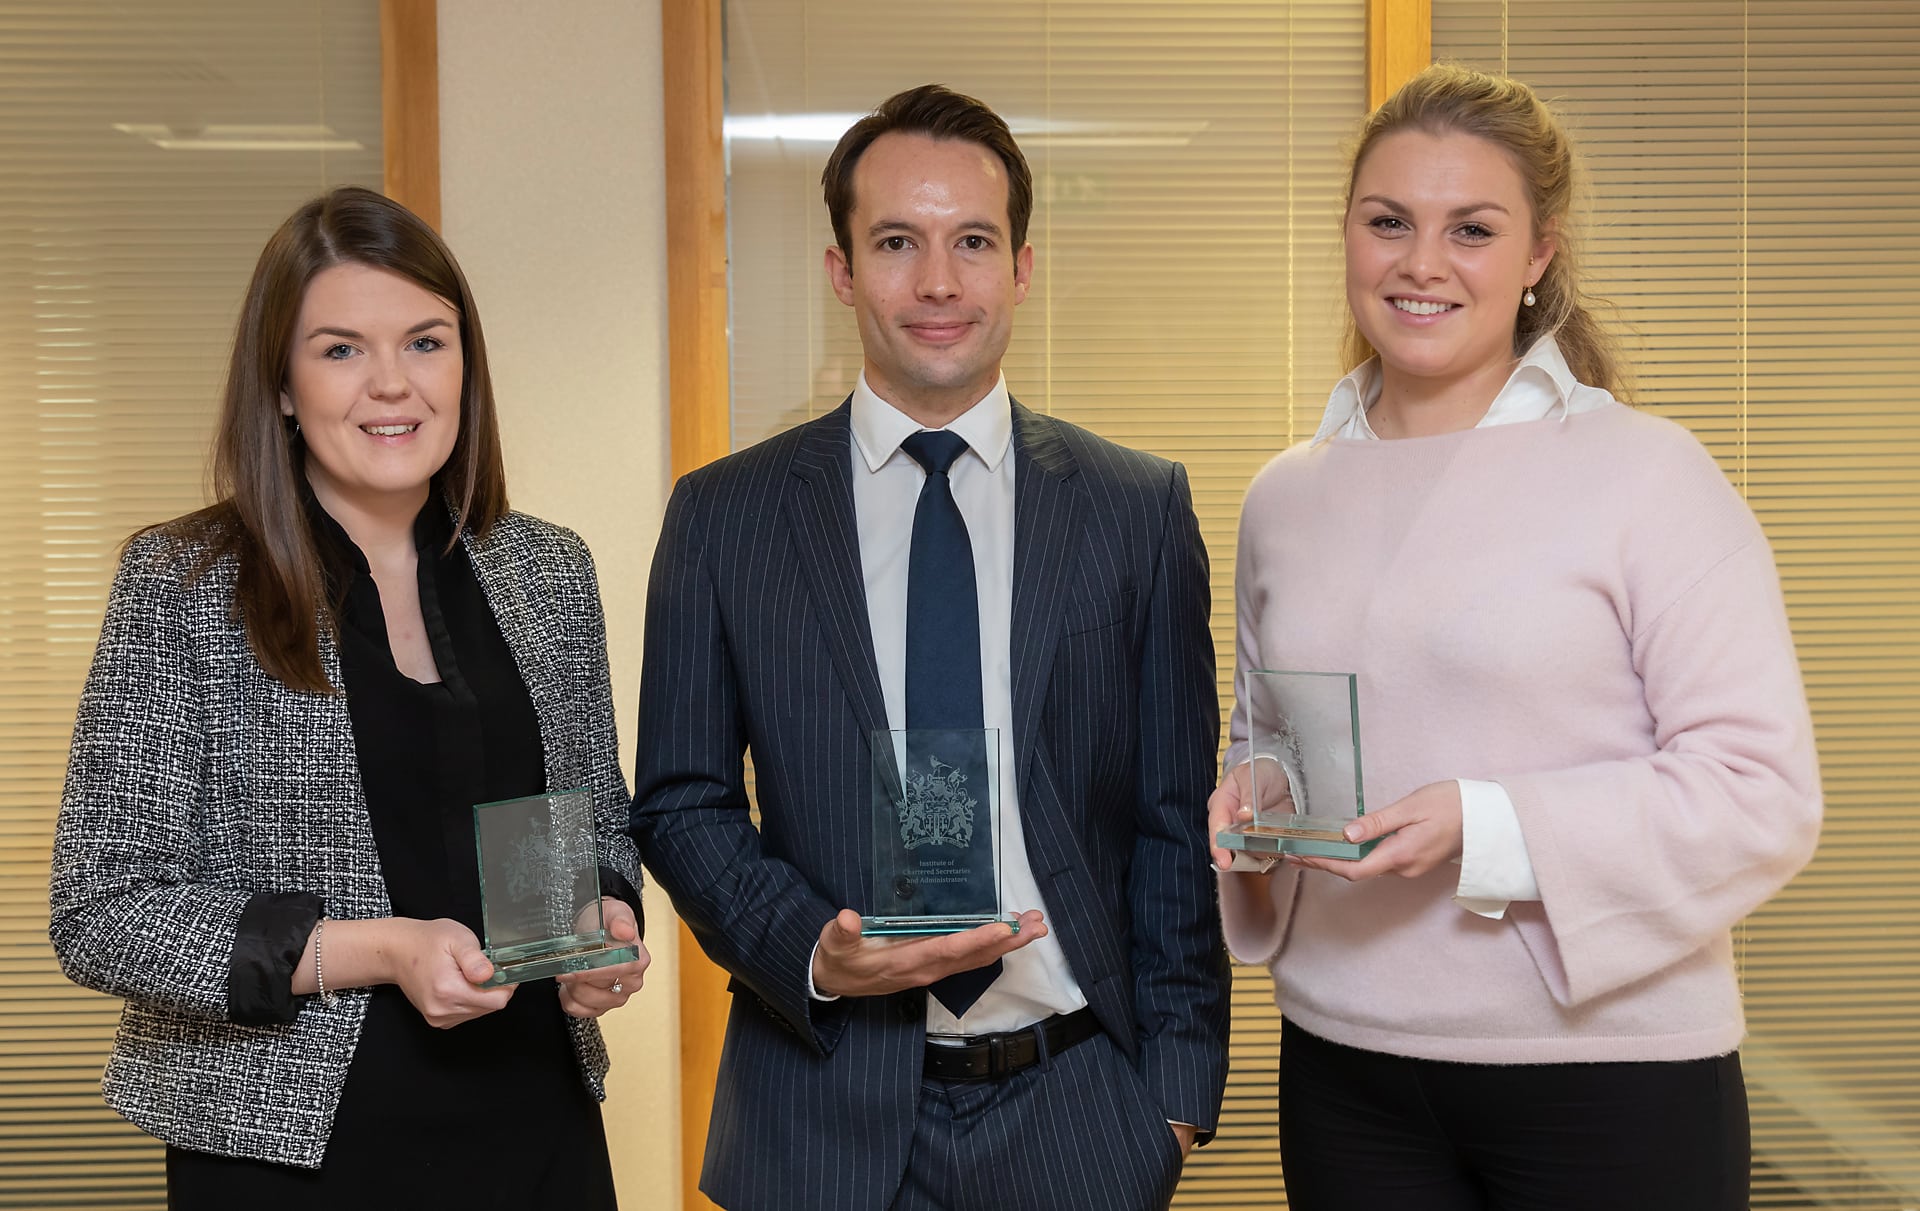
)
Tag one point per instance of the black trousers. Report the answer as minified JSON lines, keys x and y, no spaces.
{"x":1364,"y":1131}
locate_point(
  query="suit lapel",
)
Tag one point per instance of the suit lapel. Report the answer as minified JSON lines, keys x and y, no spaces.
{"x":1046,"y":538}
{"x":819,"y":506}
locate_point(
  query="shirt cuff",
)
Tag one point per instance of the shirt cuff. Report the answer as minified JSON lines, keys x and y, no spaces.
{"x":268,"y":941}
{"x":1495,"y":869}
{"x":615,"y":884}
{"x":813,"y":992}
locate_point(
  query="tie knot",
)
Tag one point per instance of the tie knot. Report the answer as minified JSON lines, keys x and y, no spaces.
{"x":935,"y":449}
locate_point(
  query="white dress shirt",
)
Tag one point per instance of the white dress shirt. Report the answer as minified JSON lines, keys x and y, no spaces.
{"x":1495,"y":869}
{"x":1035,"y":982}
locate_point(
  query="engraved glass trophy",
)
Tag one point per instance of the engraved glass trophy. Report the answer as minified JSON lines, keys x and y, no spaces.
{"x":1304,"y":765}
{"x":540,"y":888}
{"x":936,"y":831}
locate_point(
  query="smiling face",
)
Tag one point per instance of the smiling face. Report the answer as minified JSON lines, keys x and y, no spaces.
{"x":1440,"y":247}
{"x":374,"y":379}
{"x":932,"y":280}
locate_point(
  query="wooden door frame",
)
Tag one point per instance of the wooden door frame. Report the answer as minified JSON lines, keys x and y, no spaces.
{"x":1399,"y":45}
{"x":700,"y":427}
{"x":410,"y":105}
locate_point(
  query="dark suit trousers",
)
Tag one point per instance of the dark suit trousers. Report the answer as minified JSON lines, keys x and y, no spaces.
{"x":1077,"y":1133}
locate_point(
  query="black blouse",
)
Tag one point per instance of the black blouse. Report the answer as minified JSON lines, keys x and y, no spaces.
{"x":428,"y":753}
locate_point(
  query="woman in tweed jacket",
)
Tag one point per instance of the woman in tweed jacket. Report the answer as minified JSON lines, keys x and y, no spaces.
{"x":298,"y":694}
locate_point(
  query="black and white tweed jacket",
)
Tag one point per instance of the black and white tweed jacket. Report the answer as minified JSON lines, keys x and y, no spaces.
{"x":196,"y":781}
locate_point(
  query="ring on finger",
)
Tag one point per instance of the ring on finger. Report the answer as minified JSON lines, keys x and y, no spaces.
{"x":614,"y":987}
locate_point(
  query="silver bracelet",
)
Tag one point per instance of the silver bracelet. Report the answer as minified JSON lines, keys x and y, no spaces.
{"x":319,"y":968}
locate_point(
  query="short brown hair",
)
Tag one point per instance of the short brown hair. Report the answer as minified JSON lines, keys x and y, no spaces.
{"x":1447,"y":99}
{"x":938,"y":112}
{"x":258,"y":460}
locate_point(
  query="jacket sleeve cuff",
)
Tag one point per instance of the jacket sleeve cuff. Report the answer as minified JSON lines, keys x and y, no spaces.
{"x":267,"y":944}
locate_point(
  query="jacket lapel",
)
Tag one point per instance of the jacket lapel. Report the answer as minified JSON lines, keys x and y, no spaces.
{"x":1047,"y":526}
{"x":819,"y":506}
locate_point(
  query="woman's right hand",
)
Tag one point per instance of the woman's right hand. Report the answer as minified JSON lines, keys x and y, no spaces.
{"x":438,"y":965}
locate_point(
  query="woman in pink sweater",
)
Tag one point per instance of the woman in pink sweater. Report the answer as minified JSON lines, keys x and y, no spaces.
{"x":1580,"y":706}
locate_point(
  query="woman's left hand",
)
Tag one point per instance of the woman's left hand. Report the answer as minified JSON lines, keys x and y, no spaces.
{"x":588,"y":994}
{"x":1425,"y":830}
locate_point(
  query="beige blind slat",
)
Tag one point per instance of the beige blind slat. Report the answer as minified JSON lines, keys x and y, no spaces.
{"x":121,"y":269}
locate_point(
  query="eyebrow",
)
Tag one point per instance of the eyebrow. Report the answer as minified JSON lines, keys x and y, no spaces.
{"x":351,"y":335}
{"x":891,"y":226}
{"x":1457,"y":212}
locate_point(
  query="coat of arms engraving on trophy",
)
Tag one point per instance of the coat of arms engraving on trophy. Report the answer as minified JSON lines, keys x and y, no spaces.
{"x":937,"y":808}
{"x":529,"y":863}
{"x":533,"y":863}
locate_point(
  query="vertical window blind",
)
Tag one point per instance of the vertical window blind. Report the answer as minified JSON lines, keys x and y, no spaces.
{"x":1755,"y":166}
{"x":150,"y":150}
{"x":1188,"y":174}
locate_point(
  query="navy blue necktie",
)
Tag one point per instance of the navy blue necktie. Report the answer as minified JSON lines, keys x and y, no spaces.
{"x":943,"y":653}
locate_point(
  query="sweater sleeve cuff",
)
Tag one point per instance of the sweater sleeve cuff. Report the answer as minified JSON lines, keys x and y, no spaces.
{"x":267,"y":944}
{"x":1495,"y":869}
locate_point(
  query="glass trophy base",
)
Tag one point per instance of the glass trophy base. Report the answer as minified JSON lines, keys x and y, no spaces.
{"x":553,"y":956}
{"x":1308,"y":836}
{"x":881,"y":927}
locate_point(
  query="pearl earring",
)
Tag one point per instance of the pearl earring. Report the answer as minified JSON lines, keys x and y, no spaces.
{"x":1528,"y":298}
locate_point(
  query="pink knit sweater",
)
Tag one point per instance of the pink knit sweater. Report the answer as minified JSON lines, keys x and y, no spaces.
{"x":1586,"y":612}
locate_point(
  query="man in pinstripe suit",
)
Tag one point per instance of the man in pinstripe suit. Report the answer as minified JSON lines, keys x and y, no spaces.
{"x":1070,"y":1063}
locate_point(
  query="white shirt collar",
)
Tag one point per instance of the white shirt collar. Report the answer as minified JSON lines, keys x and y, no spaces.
{"x":879,"y":427}
{"x":1538,"y":385}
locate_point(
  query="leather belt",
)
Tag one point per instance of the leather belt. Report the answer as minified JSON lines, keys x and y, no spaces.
{"x":994,"y":1057}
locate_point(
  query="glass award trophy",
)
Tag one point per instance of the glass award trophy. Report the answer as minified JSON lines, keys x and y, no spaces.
{"x":540,"y":908}
{"x":1304,"y":766}
{"x":936,"y":831}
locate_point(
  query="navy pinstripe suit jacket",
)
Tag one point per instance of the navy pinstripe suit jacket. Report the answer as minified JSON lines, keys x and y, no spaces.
{"x":757,"y":638}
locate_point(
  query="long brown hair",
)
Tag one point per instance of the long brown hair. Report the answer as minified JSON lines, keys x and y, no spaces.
{"x":259,"y":517}
{"x":1446,"y":98}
